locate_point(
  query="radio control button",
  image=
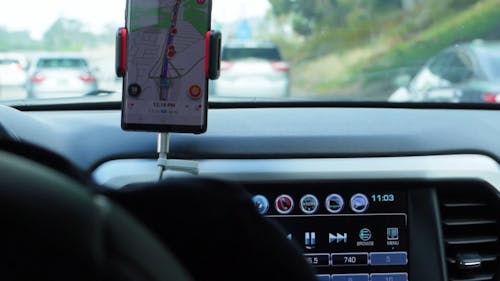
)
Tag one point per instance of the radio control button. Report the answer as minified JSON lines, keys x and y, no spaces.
{"x":309,"y":204}
{"x":389,"y":258}
{"x":350,"y":277}
{"x":261,"y":204}
{"x":359,"y":203}
{"x":323,"y":277}
{"x":349,"y":259}
{"x":284,"y":204}
{"x":318,"y":260}
{"x":334,"y":203}
{"x":389,"y":276}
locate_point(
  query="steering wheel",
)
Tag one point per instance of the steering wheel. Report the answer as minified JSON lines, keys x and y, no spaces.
{"x":56,"y":228}
{"x":53,"y":228}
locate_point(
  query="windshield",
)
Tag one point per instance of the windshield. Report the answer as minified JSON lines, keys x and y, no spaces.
{"x":273,"y":50}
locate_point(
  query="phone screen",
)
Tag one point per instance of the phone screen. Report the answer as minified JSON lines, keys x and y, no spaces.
{"x":165,"y":86}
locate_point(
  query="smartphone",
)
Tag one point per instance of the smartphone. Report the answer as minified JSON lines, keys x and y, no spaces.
{"x":165,"y":85}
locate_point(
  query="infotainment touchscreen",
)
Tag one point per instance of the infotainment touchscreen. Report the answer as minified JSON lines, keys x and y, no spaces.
{"x":360,"y":235}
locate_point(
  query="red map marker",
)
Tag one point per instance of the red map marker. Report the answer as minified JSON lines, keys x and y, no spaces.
{"x":195,"y":92}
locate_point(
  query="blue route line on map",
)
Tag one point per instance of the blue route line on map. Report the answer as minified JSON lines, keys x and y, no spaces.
{"x":164,"y":83}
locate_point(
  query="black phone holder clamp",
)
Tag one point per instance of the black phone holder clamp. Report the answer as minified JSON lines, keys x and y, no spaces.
{"x":212,"y":53}
{"x":212,"y":71}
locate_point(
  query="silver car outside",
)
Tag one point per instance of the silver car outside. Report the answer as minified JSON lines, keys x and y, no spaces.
{"x":59,"y":76}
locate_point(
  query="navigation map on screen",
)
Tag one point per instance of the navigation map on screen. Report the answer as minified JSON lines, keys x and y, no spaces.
{"x":166,"y":81}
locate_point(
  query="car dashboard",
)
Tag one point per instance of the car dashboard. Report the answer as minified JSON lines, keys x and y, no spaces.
{"x":369,"y":194}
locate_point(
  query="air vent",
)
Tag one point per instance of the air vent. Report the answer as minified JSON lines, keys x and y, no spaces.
{"x":470,"y":221}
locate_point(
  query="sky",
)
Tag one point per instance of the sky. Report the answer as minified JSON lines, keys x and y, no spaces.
{"x":37,"y":16}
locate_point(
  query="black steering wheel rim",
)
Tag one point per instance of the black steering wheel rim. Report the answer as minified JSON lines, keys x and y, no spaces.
{"x":56,"y":229}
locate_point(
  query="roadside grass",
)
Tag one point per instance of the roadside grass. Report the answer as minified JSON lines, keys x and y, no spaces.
{"x":477,"y":22}
{"x":373,"y":64}
{"x":328,"y":74}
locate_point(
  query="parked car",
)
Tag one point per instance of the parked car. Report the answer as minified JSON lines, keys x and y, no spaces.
{"x":252,"y":69}
{"x":55,"y":76}
{"x":466,"y":73}
{"x":12,"y":70}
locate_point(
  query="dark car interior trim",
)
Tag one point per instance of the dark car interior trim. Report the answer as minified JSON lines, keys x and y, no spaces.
{"x":76,"y":106}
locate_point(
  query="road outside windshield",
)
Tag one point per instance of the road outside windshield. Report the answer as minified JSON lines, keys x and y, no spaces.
{"x":398,"y":51}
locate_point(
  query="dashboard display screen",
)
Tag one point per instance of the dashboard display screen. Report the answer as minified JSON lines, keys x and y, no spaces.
{"x":346,"y":236}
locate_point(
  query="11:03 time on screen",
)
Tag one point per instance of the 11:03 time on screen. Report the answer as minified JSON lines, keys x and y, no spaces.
{"x":383,"y":198}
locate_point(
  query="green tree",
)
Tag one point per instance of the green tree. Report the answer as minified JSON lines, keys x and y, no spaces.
{"x":16,"y":40}
{"x":307,"y":16}
{"x":310,"y":16}
{"x":68,"y":35}
{"x":108,"y":34}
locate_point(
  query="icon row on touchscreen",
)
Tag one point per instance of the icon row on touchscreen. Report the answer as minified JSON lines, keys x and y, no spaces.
{"x":403,"y":276}
{"x":357,"y":259}
{"x":311,"y":239}
{"x":309,"y":204}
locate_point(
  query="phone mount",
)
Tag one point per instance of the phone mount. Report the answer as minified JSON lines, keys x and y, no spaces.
{"x":212,"y":72}
{"x":164,"y":164}
{"x":212,"y":53}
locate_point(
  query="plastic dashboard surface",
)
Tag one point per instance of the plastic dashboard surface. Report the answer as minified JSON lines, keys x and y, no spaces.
{"x":90,"y":138}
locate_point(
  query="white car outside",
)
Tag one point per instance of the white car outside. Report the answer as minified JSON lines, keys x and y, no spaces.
{"x":250,"y":69}
{"x":57,"y":76}
{"x":12,"y":70}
